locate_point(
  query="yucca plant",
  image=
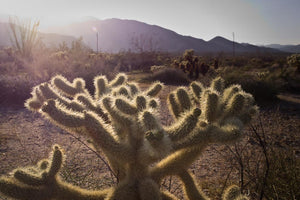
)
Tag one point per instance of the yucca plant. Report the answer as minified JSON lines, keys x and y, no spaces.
{"x":24,"y":35}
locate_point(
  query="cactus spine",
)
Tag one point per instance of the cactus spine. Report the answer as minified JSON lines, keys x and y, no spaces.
{"x":124,"y":123}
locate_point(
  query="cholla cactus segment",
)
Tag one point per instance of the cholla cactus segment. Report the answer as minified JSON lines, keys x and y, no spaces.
{"x":218,"y":85}
{"x":124,"y":123}
{"x":233,"y":193}
{"x":184,"y":125}
{"x":40,"y":182}
{"x":141,"y":102}
{"x":69,"y":89}
{"x":101,"y":84}
{"x":183,"y":99}
{"x":210,"y":105}
{"x":191,"y":188}
{"x":154,"y":103}
{"x":230,"y":91}
{"x":120,"y":79}
{"x":197,"y":89}
{"x":174,"y":106}
{"x":133,"y":88}
{"x":155,"y":89}
{"x":126,"y":107}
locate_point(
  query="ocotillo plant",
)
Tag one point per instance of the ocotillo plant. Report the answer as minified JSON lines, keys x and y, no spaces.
{"x":124,"y":123}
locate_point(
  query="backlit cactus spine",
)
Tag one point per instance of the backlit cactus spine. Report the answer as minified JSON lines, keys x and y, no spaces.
{"x":124,"y":123}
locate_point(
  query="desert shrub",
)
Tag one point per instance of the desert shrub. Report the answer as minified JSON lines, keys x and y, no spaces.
{"x":294,"y":60}
{"x":15,"y":90}
{"x":267,"y":160}
{"x":262,"y":90}
{"x":6,"y":55}
{"x":155,"y":68}
{"x":284,"y":78}
{"x":284,"y":173}
{"x":170,"y":76}
{"x":8,"y":68}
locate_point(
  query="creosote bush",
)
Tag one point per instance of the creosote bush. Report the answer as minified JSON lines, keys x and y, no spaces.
{"x":170,"y":76}
{"x":124,"y":124}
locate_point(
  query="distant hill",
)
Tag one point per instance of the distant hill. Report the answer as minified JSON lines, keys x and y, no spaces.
{"x":122,"y":35}
{"x":49,"y":39}
{"x":286,"y":48}
{"x":117,"y":34}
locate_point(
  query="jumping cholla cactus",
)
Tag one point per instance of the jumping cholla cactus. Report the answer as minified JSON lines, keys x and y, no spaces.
{"x":124,"y":123}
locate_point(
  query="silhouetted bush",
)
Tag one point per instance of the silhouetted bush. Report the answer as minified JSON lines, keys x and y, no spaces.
{"x":262,"y":91}
{"x":170,"y":76}
{"x":15,"y":90}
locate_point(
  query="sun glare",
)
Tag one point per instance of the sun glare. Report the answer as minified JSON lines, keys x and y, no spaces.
{"x":94,"y":29}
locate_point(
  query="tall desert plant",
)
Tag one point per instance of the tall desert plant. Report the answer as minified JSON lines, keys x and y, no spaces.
{"x":24,"y":35}
{"x":124,"y":123}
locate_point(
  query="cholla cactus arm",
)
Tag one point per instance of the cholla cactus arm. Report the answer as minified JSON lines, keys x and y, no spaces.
{"x":43,"y":182}
{"x":179,"y":102}
{"x":184,"y":125}
{"x":222,"y":119}
{"x":95,"y":127}
{"x":154,"y":89}
{"x":134,"y":89}
{"x":233,"y":193}
{"x":44,"y":92}
{"x":120,"y":79}
{"x":190,"y":186}
{"x":101,"y":84}
{"x":183,"y":99}
{"x":168,"y":196}
{"x":175,"y":163}
{"x":197,"y":89}
{"x":67,"y":88}
{"x":218,"y":85}
{"x":174,"y":106}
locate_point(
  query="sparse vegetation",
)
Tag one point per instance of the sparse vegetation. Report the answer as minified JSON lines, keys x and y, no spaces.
{"x":294,"y":61}
{"x":267,"y":160}
{"x":264,"y":76}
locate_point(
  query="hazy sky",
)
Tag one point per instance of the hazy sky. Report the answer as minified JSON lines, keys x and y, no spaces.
{"x":252,"y":21}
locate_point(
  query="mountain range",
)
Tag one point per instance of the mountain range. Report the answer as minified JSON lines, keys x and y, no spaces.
{"x":285,"y":48}
{"x":115,"y":35}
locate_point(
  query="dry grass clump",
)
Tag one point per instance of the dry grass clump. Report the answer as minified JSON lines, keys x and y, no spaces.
{"x":267,"y":161}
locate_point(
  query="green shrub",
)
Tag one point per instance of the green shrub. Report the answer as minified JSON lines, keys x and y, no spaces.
{"x":262,"y":90}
